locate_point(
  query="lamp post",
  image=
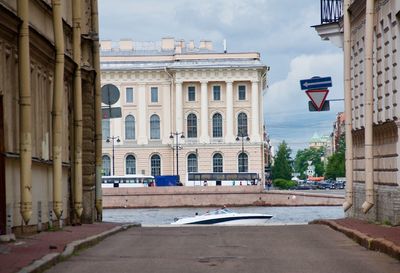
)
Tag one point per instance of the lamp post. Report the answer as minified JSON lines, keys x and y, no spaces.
{"x":112,"y":138}
{"x":242,"y":136}
{"x":176,"y":135}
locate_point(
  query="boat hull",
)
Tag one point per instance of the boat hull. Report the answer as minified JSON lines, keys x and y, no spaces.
{"x":229,"y":220}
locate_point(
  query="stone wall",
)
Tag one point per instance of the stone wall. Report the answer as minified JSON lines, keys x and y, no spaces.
{"x":387,"y":204}
{"x":212,"y":196}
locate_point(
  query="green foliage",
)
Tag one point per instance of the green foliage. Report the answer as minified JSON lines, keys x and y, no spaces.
{"x":310,"y":154}
{"x":284,"y":184}
{"x":282,"y":164}
{"x":336,"y":162}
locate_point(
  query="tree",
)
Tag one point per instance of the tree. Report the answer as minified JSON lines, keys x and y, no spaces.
{"x":282,"y":164}
{"x":310,"y":154}
{"x":336,"y":162}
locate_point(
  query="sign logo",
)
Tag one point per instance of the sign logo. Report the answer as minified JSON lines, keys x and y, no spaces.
{"x":316,"y":83}
{"x":317,"y":97}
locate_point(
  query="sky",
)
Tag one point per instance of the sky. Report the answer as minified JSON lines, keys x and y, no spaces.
{"x":279,"y":29}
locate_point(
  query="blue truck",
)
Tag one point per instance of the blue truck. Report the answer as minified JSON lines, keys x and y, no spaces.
{"x":166,"y":180}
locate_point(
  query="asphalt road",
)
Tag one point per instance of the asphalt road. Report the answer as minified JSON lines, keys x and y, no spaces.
{"x":272,"y":249}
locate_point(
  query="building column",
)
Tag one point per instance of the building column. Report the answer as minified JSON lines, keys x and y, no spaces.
{"x":230,"y":136}
{"x":166,"y":119}
{"x":255,"y":130}
{"x":142,"y":115}
{"x":178,"y":107}
{"x":204,"y":138}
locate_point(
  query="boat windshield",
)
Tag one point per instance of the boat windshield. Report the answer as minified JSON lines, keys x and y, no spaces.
{"x":219,"y":211}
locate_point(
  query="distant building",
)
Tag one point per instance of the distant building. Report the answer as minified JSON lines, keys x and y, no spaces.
{"x":176,"y":95}
{"x":318,"y":141}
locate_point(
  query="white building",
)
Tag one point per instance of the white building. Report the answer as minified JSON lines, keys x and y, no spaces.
{"x":208,"y":104}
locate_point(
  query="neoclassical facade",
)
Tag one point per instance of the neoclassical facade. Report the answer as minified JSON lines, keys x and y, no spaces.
{"x":174,"y":95}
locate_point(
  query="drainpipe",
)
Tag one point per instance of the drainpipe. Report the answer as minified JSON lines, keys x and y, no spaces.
{"x":347,"y":106}
{"x":76,"y":48}
{"x":369,"y":157}
{"x":57,"y":107}
{"x":97,"y":100}
{"x":25,"y":143}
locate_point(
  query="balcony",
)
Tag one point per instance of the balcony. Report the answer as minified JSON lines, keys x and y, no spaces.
{"x":330,"y":28}
{"x":331,"y":11}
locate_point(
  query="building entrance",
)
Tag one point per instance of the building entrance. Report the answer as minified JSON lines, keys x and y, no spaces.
{"x":2,"y":173}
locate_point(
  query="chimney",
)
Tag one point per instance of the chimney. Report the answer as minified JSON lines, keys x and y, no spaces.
{"x":106,"y":45}
{"x":167,"y":43}
{"x":182,"y":43}
{"x":202,"y":44}
{"x":209,"y":45}
{"x":178,"y":49}
{"x":126,"y":45}
{"x":191,"y":45}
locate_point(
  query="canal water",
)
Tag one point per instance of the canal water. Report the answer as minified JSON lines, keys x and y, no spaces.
{"x":281,"y":215}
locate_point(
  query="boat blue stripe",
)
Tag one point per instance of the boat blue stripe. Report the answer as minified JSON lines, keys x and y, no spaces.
{"x":226,"y":219}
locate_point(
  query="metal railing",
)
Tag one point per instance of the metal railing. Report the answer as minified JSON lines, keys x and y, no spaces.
{"x":331,"y":11}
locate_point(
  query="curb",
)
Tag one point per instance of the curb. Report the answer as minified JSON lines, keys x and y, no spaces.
{"x":375,"y":244}
{"x":53,"y":258}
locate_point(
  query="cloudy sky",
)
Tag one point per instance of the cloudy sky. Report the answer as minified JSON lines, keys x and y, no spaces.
{"x":278,"y":29}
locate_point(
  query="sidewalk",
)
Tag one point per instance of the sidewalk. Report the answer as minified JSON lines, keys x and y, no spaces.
{"x":35,"y":252}
{"x":385,"y":239}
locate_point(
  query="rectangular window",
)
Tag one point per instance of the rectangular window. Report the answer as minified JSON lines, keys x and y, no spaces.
{"x":217,"y":92}
{"x":129,"y":95}
{"x":242,"y":92}
{"x":191,"y":93}
{"x":154,"y":94}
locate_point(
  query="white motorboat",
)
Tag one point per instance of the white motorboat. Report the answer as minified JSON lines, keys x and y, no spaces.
{"x":224,"y":216}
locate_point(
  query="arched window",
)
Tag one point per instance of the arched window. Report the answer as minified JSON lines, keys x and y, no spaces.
{"x":242,"y":124}
{"x":217,"y":125}
{"x":218,"y":163}
{"x":130,"y":163}
{"x":155,"y":165}
{"x":130,"y":127}
{"x":106,"y":165}
{"x":192,"y":163}
{"x":192,"y":126}
{"x":105,"y":126}
{"x":154,"y":127}
{"x":243,"y":163}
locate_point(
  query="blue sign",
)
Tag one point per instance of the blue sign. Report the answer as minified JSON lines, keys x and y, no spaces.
{"x":316,"y":83}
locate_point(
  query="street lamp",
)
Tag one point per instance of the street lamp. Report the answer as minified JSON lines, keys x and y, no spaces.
{"x":243,"y":137}
{"x":108,"y":141}
{"x":177,"y":134}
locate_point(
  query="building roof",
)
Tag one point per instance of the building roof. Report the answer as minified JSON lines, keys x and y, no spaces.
{"x":177,"y":64}
{"x":172,"y":55}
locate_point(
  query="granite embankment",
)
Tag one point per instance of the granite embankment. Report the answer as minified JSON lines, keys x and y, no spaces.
{"x":212,"y":196}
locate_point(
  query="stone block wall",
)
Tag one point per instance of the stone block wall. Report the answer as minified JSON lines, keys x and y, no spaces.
{"x":386,"y":208}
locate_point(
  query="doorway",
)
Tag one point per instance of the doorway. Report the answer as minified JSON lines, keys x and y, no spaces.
{"x":3,"y":219}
